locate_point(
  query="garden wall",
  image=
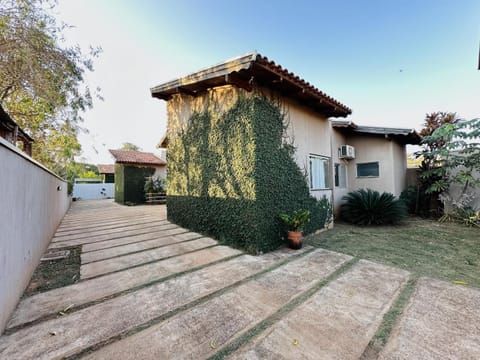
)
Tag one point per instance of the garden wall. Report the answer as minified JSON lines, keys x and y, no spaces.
{"x":231,"y":172}
{"x":33,"y":201}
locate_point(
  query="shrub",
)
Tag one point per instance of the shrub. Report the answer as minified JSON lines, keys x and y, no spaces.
{"x":369,"y":207}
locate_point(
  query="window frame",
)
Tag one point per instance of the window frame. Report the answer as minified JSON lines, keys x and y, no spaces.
{"x":328,"y":180}
{"x":368,"y":176}
{"x":337,"y":173}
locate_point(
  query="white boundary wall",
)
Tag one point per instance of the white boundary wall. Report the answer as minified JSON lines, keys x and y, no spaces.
{"x":33,"y":201}
{"x":94,"y":191}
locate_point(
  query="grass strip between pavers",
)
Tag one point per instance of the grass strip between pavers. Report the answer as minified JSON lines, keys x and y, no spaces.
{"x":141,"y":250}
{"x":279,"y":314}
{"x":191,"y":304}
{"x":148,"y":262}
{"x":100,"y":300}
{"x":389,"y":320}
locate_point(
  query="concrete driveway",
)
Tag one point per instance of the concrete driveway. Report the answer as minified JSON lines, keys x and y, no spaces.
{"x":150,"y":289}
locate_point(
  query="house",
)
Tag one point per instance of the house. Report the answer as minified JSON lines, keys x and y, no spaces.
{"x":195,"y":104}
{"x":131,"y":170}
{"x":107,"y":172}
{"x":11,"y":132}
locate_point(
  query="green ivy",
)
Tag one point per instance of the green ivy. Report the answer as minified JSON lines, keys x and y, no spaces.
{"x":130,"y":182}
{"x":230,"y":174}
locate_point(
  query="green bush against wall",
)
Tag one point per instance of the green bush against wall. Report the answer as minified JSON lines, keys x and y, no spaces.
{"x":129,"y":183}
{"x":230,"y":174}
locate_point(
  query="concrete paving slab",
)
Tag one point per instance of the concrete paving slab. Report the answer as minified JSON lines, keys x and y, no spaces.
{"x":168,"y":229}
{"x":98,"y":268}
{"x":198,"y":332}
{"x":53,"y":301}
{"x":133,"y":239}
{"x":337,"y":322}
{"x":100,"y":225}
{"x":441,"y":321}
{"x":102,"y":231}
{"x":90,"y":326}
{"x":103,"y":254}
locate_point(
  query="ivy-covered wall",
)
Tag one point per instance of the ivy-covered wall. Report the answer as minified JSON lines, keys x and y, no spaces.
{"x":130,"y":182}
{"x":230,"y":173}
{"x":119,"y":192}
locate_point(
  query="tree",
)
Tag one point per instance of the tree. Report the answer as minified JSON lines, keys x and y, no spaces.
{"x":130,"y":147}
{"x":454,"y":158}
{"x":42,"y":81}
{"x":427,"y":201}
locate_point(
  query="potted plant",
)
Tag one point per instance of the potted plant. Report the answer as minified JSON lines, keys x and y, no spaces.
{"x":295,"y":224}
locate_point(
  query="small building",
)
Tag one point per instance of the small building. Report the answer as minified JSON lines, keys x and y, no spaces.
{"x":131,"y":170}
{"x":11,"y":132}
{"x":107,"y":172}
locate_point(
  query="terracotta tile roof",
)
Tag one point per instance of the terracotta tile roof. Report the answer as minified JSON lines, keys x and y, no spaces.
{"x":136,"y":157}
{"x":106,"y":169}
{"x":249,"y":70}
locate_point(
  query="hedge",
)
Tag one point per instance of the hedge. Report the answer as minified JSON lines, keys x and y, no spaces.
{"x":230,"y":174}
{"x":129,"y":183}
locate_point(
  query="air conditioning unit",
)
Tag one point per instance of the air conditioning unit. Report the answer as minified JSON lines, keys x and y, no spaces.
{"x":346,"y":152}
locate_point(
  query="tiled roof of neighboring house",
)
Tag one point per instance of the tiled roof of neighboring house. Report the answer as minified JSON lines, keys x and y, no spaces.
{"x":106,"y":169}
{"x":407,"y":136}
{"x":136,"y":157}
{"x":247,"y":71}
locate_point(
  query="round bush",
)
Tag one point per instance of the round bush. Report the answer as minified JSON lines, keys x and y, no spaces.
{"x":369,"y":207}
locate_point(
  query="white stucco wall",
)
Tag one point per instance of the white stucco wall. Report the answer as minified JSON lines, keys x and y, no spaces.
{"x":311,"y":135}
{"x":160,"y":171}
{"x":390,"y":155}
{"x":309,"y":131}
{"x":33,"y":201}
{"x":338,"y":139}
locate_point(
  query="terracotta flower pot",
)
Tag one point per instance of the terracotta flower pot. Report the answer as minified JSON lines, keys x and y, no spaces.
{"x":295,"y":239}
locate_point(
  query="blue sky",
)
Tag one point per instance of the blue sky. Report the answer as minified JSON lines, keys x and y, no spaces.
{"x":390,"y":61}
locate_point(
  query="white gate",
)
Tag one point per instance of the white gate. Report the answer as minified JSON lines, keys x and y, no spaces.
{"x":91,"y":189}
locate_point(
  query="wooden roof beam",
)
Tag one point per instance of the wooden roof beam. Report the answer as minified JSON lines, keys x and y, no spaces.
{"x":234,"y":79}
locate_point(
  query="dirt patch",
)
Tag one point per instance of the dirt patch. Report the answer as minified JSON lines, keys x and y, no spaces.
{"x":53,"y":274}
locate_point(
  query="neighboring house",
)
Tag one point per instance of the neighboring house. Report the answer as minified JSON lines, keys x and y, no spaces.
{"x":379,"y":162}
{"x":131,"y":170}
{"x":11,"y":132}
{"x":107,"y":172}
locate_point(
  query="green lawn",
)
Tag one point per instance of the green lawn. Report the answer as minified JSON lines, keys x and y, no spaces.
{"x":424,"y":247}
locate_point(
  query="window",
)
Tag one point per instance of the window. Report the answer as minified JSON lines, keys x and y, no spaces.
{"x":319,"y":172}
{"x":340,"y":176}
{"x":368,"y":170}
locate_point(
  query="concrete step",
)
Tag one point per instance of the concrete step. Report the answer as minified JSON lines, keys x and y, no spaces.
{"x":441,"y":321}
{"x":53,"y":301}
{"x":198,"y":332}
{"x":337,"y":322}
{"x":96,"y":324}
{"x":98,"y":268}
{"x":110,"y":252}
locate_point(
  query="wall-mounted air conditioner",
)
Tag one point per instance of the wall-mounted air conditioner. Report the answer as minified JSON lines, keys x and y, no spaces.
{"x":346,"y":152}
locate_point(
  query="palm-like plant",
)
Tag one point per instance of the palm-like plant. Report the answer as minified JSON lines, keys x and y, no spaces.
{"x":369,"y":207}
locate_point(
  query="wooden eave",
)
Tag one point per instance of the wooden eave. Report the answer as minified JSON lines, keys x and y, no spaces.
{"x":248,"y":72}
